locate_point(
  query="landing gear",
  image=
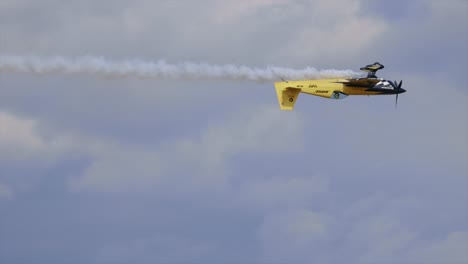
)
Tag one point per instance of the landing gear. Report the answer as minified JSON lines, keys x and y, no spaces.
{"x":371,"y":69}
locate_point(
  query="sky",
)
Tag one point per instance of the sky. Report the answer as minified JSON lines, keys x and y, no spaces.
{"x":100,"y":169}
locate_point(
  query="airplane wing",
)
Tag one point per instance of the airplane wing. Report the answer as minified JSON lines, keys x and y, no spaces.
{"x":287,"y":96}
{"x":363,"y":82}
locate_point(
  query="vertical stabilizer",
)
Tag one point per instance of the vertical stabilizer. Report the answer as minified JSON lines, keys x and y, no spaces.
{"x":287,"y":96}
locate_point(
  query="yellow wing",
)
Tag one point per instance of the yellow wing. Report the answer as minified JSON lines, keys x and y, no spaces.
{"x":363,"y":82}
{"x":287,"y":96}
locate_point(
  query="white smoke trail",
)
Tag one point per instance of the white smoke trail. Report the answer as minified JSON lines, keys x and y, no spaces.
{"x":159,"y":69}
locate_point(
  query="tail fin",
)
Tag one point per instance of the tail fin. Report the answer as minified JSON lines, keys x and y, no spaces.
{"x":287,"y":96}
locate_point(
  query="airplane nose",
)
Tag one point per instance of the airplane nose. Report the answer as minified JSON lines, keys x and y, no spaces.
{"x":401,"y":90}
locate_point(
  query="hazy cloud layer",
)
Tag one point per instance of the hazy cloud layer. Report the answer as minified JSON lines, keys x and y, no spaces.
{"x":105,"y":170}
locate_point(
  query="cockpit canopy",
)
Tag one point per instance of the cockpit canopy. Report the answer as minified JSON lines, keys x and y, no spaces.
{"x":384,"y":84}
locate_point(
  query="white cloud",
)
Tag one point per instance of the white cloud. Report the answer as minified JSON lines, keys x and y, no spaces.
{"x":120,"y":169}
{"x":303,"y":216}
{"x":232,"y":12}
{"x":292,"y":236}
{"x":200,"y":161}
{"x":21,"y":139}
{"x":19,"y":133}
{"x":379,"y":237}
{"x":262,"y":31}
{"x":195,"y":162}
{"x":26,"y":155}
{"x":282,"y":191}
{"x":341,"y":33}
{"x":255,"y":130}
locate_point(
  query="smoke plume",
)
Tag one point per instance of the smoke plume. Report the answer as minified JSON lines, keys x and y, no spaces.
{"x":160,"y":69}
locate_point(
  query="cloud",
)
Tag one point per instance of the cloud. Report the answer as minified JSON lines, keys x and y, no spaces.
{"x":451,"y":249}
{"x":283,"y":191}
{"x":27,"y":157}
{"x":288,"y":31}
{"x":19,"y":133}
{"x":292,"y":236}
{"x":211,"y":170}
{"x":379,"y":237}
{"x":231,"y":12}
{"x":21,"y":139}
{"x":120,"y":169}
{"x":410,"y":43}
{"x":323,"y":36}
{"x":200,"y":162}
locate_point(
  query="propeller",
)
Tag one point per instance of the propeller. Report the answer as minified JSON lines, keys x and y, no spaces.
{"x":396,"y":87}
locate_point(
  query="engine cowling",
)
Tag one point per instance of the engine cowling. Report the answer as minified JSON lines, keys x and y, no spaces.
{"x":338,"y":95}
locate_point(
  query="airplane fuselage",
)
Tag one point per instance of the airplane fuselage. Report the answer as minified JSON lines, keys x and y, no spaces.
{"x":325,"y":87}
{"x":288,"y":91}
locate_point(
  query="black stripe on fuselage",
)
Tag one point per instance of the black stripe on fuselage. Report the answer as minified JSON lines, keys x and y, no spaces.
{"x":383,"y":91}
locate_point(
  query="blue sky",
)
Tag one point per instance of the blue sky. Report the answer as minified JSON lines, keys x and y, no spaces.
{"x":106,"y":170}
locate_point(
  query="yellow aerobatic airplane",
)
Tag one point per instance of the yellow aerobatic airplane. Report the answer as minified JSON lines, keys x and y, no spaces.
{"x":288,"y":91}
